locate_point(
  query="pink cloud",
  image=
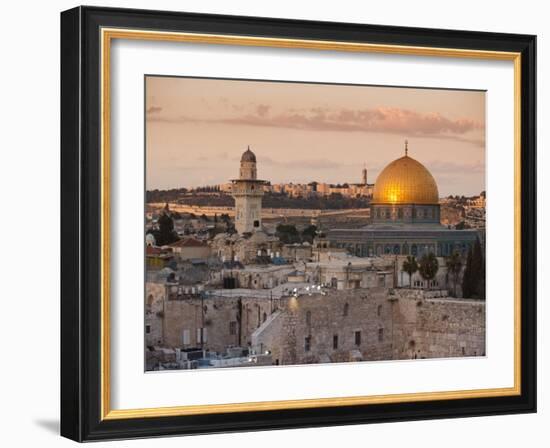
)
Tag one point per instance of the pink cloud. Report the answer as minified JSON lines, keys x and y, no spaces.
{"x":381,"y":119}
{"x":392,"y":120}
{"x":154,"y":110}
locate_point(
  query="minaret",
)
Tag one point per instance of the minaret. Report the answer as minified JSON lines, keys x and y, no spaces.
{"x":248,"y":191}
{"x":364,"y":174}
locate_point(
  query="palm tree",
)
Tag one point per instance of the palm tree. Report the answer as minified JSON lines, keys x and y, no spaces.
{"x":428,"y":266}
{"x":454,"y":266}
{"x":410,"y":266}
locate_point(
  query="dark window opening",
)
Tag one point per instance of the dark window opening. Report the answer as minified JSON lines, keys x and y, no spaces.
{"x":256,"y":223}
{"x":335,"y":342}
{"x":307,"y":343}
{"x":380,"y":334}
{"x":357,"y":338}
{"x":147,"y":329}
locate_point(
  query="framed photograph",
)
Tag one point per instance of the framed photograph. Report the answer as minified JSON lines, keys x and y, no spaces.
{"x":273,"y":223}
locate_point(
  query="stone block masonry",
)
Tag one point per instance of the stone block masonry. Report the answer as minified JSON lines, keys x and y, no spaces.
{"x":341,"y":326}
{"x":374,"y":324}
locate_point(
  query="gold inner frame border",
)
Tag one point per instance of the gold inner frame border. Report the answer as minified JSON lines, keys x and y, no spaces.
{"x":107,"y":35}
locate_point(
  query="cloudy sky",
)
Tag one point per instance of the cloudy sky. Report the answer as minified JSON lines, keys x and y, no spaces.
{"x":196,"y":130}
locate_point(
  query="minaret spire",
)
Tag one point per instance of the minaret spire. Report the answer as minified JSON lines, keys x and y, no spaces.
{"x":406,"y":147}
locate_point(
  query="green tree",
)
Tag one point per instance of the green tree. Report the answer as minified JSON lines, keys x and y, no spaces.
{"x":165,"y":233}
{"x":309,"y":233}
{"x":467,"y":289}
{"x":428,"y":266}
{"x":410,"y":266}
{"x":288,"y":233}
{"x":478,"y":266}
{"x":454,"y":266}
{"x":462,"y":225}
{"x":473,"y":283}
{"x":481,"y":284}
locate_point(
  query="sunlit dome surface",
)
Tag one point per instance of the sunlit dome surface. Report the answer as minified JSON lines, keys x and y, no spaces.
{"x":405,"y":181}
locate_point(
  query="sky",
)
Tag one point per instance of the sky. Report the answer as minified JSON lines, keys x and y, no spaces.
{"x":197,"y":129}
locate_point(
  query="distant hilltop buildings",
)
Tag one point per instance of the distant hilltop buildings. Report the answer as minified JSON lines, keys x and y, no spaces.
{"x":302,"y":190}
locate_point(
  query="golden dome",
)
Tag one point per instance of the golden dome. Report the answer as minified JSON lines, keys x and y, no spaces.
{"x":405,"y":181}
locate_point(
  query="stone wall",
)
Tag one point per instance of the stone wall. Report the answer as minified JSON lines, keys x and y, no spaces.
{"x":343,"y":326}
{"x":432,"y":327}
{"x":225,"y":321}
{"x":154,"y":303}
{"x":337,"y":326}
{"x":392,"y":324}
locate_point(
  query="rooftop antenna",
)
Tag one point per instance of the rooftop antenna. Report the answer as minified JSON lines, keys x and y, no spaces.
{"x":406,"y":147}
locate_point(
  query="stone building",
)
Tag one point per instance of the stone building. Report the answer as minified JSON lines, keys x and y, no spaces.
{"x":190,"y":248}
{"x":247,"y":191}
{"x":245,"y":248}
{"x":213,"y":322}
{"x":154,"y":305}
{"x":260,"y":276}
{"x":342,"y":271}
{"x":297,"y":251}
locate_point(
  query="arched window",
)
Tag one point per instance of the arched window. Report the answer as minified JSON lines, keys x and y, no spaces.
{"x":346,"y":309}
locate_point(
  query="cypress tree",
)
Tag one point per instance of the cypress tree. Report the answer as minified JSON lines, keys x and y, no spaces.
{"x":480,"y":265}
{"x":473,"y":282}
{"x":166,"y":233}
{"x":467,"y":278}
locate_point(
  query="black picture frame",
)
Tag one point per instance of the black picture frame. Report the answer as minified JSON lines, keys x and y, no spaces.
{"x":81,"y":224}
